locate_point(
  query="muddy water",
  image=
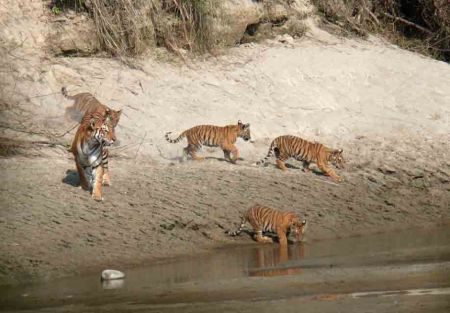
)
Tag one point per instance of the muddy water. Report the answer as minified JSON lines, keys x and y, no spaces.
{"x":399,"y":272}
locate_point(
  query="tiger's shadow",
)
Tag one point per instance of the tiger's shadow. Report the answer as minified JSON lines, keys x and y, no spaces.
{"x":295,"y":167}
{"x":222,"y":159}
{"x":72,"y":178}
{"x":181,"y":159}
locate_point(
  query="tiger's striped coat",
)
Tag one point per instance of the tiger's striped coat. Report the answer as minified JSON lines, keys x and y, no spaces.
{"x":265,"y":219}
{"x":84,"y":104}
{"x":213,"y":136}
{"x":89,"y":149}
{"x":285,"y":147}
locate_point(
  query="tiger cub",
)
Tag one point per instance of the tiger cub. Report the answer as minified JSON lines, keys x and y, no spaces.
{"x":213,"y":136}
{"x":264,"y":219}
{"x":96,"y":131}
{"x":289,"y":146}
{"x":85,"y":103}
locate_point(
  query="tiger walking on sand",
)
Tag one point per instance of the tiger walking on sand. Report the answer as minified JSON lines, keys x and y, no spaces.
{"x":213,"y":136}
{"x":285,"y":147}
{"x":84,"y":104}
{"x":95,"y":132}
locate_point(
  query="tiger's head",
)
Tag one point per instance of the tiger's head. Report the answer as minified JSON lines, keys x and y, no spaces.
{"x":244,"y":131}
{"x":337,"y":158}
{"x":103,"y":130}
{"x":298,"y":227}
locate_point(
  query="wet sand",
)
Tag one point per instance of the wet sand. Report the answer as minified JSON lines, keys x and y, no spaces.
{"x":395,"y":272}
{"x":51,"y":228}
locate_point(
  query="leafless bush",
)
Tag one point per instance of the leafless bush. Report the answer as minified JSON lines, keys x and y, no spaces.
{"x":419,"y":25}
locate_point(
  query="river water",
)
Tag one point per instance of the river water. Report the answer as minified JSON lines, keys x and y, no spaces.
{"x":407,"y":271}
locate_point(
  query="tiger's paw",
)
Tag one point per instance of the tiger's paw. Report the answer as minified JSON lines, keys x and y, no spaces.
{"x":106,"y":182}
{"x":97,"y":197}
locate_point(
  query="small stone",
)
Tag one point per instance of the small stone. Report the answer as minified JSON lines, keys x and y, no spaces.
{"x":285,"y":38}
{"x":112,"y":275}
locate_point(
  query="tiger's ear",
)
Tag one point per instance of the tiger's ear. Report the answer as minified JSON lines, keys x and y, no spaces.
{"x":92,"y":122}
{"x":239,"y":122}
{"x":247,"y":126}
{"x":303,"y":222}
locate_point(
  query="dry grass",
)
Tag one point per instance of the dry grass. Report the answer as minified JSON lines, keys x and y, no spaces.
{"x":418,"y":25}
{"x":127,"y":27}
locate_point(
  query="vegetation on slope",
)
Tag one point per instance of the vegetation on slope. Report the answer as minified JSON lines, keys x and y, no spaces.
{"x":130,"y":27}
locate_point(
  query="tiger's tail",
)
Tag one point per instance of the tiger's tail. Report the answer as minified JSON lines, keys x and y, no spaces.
{"x":65,"y":93}
{"x":269,"y":154}
{"x":73,"y":112}
{"x":241,"y":227}
{"x":178,"y":139}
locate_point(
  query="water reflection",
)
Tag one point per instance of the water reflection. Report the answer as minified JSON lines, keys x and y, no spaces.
{"x":113,"y":284}
{"x":273,"y":262}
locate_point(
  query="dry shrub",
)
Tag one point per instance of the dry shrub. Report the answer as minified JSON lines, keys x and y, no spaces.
{"x":190,"y":26}
{"x":350,"y":15}
{"x":419,"y":25}
{"x":128,"y":27}
{"x":123,"y":26}
{"x":295,"y":28}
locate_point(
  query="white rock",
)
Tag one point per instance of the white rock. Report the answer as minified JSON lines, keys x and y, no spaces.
{"x":285,"y":38}
{"x":112,"y":274}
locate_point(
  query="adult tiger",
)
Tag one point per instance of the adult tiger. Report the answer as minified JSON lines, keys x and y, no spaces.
{"x":289,"y":146}
{"x":213,"y":136}
{"x":96,"y":131}
{"x":85,"y":103}
{"x":264,"y":219}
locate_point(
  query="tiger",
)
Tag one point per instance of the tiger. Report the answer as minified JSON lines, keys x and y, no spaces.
{"x":288,"y":146}
{"x":96,"y":131}
{"x":86,"y":103}
{"x":265,"y":219}
{"x":213,"y":136}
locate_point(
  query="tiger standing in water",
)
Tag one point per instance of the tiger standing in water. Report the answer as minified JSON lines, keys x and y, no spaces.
{"x":264,"y":219}
{"x":288,"y":146}
{"x":96,"y":131}
{"x":213,"y":136}
{"x":85,"y":103}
